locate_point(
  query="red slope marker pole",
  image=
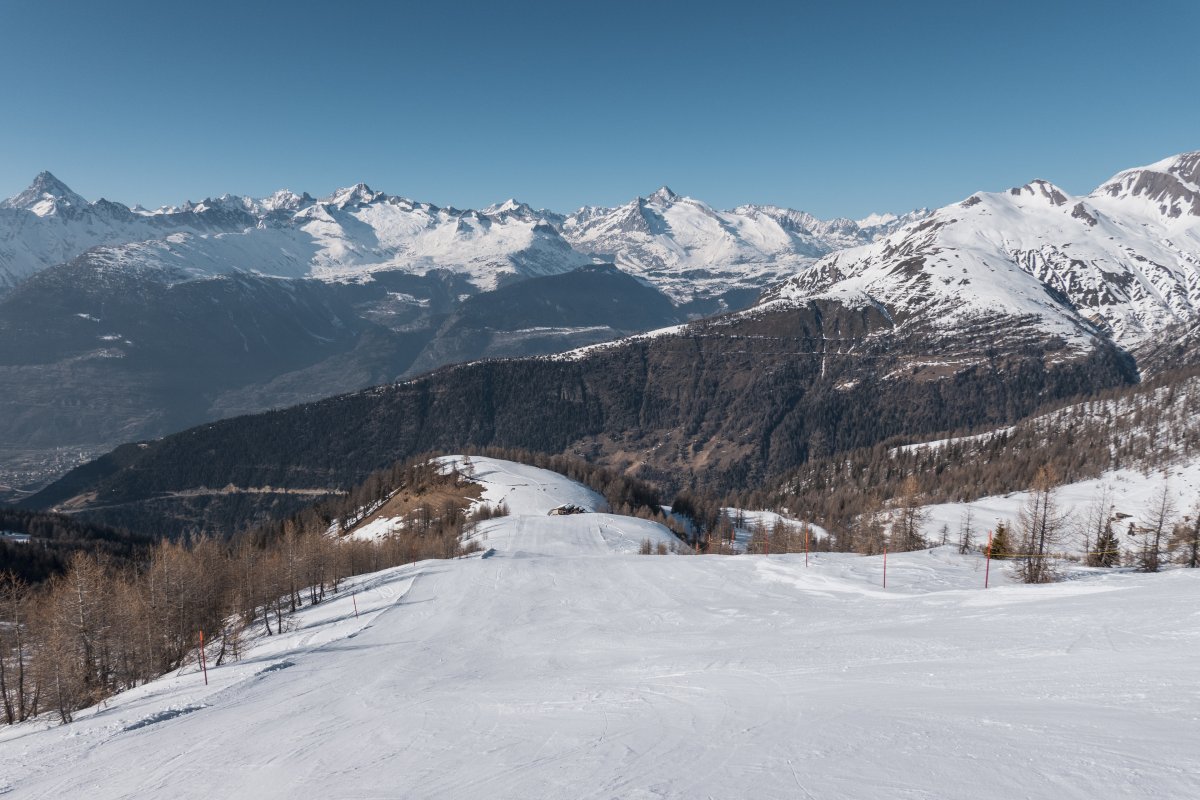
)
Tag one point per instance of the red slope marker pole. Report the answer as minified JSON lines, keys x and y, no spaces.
{"x":885,"y":565}
{"x":988,"y":569}
{"x":203,"y":660}
{"x":354,"y":600}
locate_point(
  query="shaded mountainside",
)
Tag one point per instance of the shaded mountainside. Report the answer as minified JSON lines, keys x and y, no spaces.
{"x":92,"y":356}
{"x":53,"y":539}
{"x":725,"y":403}
{"x":552,"y":314}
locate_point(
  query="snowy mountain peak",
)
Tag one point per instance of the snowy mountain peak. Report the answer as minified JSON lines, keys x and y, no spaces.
{"x":46,"y":195}
{"x":285,"y":200}
{"x":1186,"y":167}
{"x":1039,"y":188}
{"x":1170,"y":186}
{"x":663,"y":194}
{"x":511,"y":206}
{"x":875,"y":220}
{"x":357,"y":195}
{"x":1123,"y":261}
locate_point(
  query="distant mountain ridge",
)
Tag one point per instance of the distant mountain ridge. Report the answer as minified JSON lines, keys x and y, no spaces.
{"x":1122,"y":262}
{"x":680,"y":245}
{"x":120,"y":323}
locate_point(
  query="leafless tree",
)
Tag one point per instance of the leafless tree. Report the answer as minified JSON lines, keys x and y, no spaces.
{"x":1041,"y":525}
{"x":1185,"y":541}
{"x":908,"y":518}
{"x":964,"y":531}
{"x":1162,"y":516}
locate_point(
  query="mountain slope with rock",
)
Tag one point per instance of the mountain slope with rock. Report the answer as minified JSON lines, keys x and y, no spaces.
{"x":1122,"y":262}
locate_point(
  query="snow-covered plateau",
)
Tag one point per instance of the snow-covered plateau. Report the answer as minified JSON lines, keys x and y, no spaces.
{"x":562,"y":665}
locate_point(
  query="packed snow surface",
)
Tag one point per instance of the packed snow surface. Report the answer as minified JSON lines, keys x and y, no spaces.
{"x":560,"y":667}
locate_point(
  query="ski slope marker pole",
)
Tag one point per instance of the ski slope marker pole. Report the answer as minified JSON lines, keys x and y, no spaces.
{"x":806,"y":544}
{"x":203,"y":661}
{"x":354,"y":600}
{"x":885,"y":565}
{"x":988,"y":568}
{"x":766,"y":542}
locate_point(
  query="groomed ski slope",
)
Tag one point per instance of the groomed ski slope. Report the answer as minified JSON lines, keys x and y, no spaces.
{"x":560,"y":667}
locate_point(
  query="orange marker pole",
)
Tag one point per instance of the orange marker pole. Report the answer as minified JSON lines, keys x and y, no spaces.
{"x":988,"y":569}
{"x":203,"y":660}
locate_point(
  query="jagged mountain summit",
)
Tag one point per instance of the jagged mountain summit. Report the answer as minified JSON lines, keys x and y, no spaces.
{"x":683,"y":245}
{"x":680,"y":245}
{"x":45,"y":196}
{"x":1122,"y":262}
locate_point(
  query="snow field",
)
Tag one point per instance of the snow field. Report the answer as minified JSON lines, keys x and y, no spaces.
{"x":1132,"y":493}
{"x":522,"y":488}
{"x":603,"y":675}
{"x":560,"y":665}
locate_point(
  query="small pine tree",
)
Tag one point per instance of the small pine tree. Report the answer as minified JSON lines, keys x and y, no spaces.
{"x":1107,"y":550}
{"x":1001,"y":546}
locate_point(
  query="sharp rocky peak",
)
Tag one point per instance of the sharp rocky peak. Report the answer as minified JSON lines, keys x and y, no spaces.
{"x":358,"y":194}
{"x":45,"y":187}
{"x":663,"y":194}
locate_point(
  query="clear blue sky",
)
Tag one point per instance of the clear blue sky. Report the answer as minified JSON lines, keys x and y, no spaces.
{"x":837,"y":108}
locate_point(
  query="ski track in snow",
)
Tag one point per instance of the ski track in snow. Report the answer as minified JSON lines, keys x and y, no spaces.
{"x":562,"y":666}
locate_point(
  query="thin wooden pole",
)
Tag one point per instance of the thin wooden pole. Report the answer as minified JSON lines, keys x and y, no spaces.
{"x":203,"y":660}
{"x":355,"y":601}
{"x":885,"y":565}
{"x":987,"y":570}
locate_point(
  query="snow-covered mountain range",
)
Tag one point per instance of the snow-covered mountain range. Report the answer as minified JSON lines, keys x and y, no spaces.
{"x":1122,"y":261}
{"x":680,"y":245}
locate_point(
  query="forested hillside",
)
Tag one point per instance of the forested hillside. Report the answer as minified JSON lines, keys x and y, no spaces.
{"x":54,"y":538}
{"x":1149,"y":428}
{"x":725,"y":404}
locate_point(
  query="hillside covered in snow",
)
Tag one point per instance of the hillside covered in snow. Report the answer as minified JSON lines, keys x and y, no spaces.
{"x":558,"y":663}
